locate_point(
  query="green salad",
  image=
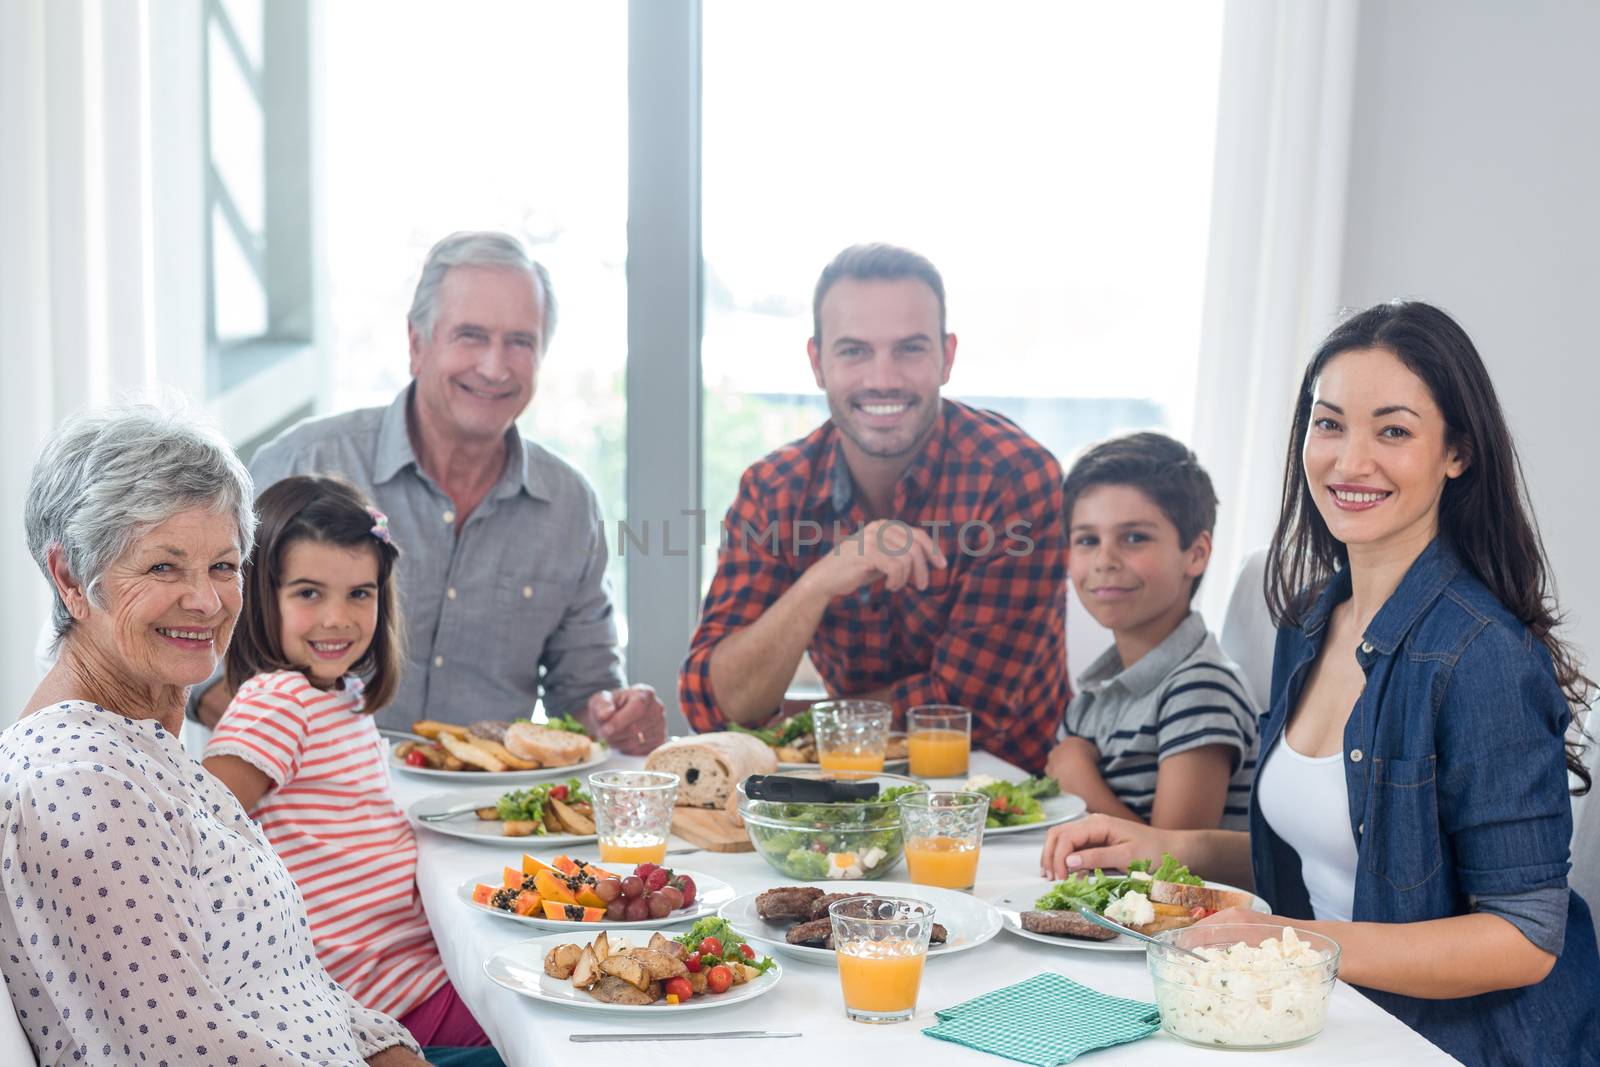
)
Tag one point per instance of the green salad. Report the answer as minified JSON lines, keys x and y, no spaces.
{"x":728,"y":938}
{"x":527,"y":805}
{"x":811,"y":842}
{"x":1099,"y":889}
{"x":567,"y":723}
{"x":779,"y":734}
{"x":1017,"y":803}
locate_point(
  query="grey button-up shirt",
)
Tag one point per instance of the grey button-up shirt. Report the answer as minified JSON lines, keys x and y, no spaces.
{"x":514,"y":608}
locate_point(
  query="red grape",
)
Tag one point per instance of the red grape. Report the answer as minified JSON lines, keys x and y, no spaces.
{"x":617,"y":911}
{"x":608,"y":889}
{"x":638,"y":909}
{"x":632,"y":886}
{"x":688,"y":889}
{"x":660,"y":908}
{"x":674,"y":896}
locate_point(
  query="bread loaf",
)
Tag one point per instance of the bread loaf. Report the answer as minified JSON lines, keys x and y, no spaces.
{"x":711,"y":766}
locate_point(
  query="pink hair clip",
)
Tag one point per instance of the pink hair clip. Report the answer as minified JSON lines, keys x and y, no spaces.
{"x":380,"y":526}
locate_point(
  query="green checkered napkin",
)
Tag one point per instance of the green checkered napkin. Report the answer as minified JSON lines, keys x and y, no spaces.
{"x":1046,"y":1021}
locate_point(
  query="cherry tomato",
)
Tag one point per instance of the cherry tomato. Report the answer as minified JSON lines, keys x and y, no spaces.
{"x":416,"y":759}
{"x":710,"y":947}
{"x":693,"y":962}
{"x":719,"y":978}
{"x":559,"y":792}
{"x":749,"y":953}
{"x":680,"y":987}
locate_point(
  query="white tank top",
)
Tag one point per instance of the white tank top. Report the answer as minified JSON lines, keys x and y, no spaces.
{"x":1305,"y":802}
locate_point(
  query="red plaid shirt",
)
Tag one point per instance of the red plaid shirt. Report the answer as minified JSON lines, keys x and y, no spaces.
{"x":989,"y":632}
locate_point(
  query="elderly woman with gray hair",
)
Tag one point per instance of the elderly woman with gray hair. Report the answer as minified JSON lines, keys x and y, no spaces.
{"x":145,"y":917}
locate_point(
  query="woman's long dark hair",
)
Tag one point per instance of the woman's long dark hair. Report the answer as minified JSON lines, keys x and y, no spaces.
{"x":1484,"y":512}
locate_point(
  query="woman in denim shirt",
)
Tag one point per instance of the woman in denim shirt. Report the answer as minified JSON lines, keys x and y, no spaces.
{"x":1412,"y":796}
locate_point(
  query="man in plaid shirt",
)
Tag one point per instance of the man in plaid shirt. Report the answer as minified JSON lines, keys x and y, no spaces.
{"x":913,"y":545}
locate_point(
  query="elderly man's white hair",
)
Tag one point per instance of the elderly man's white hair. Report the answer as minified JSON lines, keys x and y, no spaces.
{"x":108,"y":475}
{"x":477,"y":248}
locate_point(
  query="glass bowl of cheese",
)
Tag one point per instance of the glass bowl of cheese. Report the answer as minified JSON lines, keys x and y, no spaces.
{"x":1256,"y":986}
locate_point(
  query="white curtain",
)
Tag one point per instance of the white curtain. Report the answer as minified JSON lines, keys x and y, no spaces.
{"x":100,"y":120}
{"x":1272,"y":273}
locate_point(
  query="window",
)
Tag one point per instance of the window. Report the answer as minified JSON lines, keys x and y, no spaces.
{"x":1053,"y":160}
{"x":463,"y":119}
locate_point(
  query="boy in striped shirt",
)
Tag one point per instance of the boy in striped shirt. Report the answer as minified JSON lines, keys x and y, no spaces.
{"x":1163,"y":729}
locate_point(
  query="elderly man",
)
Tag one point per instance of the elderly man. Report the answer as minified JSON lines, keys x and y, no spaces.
{"x":912,"y":545}
{"x":502,"y":573}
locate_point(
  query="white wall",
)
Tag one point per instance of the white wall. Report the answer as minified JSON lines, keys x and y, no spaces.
{"x":1475,"y":185}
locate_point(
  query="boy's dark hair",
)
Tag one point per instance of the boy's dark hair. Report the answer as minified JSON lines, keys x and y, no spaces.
{"x":875,"y":262}
{"x":332,"y":512}
{"x":1161,"y":468}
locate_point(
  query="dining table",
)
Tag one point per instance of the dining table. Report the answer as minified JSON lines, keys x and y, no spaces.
{"x":807,"y":998}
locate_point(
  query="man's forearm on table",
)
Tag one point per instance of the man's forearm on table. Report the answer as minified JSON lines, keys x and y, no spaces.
{"x":751,"y":667}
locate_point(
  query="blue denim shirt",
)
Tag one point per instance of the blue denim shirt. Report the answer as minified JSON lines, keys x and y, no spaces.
{"x":1457,"y":784}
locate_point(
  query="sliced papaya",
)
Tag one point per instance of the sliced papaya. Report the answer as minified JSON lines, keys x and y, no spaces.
{"x":572,"y":912}
{"x":512,"y":878}
{"x":531,"y":865}
{"x":482,"y":893}
{"x":595,"y":871}
{"x":553,"y":888}
{"x":565,"y":864}
{"x":527,"y":903}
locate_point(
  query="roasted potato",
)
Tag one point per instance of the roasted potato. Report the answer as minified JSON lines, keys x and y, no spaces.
{"x":468,"y":752}
{"x":661,"y":943}
{"x":552,"y":821}
{"x":613,"y":990}
{"x":519,"y":828}
{"x":453,"y":764}
{"x":433,"y":731}
{"x":488,"y":814}
{"x":660,"y":965}
{"x":561,"y":961}
{"x":587,"y":971}
{"x":571,"y":821}
{"x":628,"y":969}
{"x":697,"y":982}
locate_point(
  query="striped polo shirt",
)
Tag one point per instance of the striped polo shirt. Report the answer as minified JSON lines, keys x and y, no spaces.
{"x":1184,"y":694}
{"x":333,"y":821}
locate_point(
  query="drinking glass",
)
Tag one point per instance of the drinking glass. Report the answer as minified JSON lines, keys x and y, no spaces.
{"x":882,"y":943}
{"x":939,"y":737}
{"x":633,"y":814}
{"x":943,"y":832}
{"x":851,"y":734}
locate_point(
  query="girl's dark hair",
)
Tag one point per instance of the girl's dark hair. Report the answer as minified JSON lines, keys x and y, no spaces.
{"x":1484,"y":513}
{"x":332,"y":512}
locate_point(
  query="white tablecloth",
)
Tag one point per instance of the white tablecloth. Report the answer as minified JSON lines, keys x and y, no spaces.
{"x":808,"y":999}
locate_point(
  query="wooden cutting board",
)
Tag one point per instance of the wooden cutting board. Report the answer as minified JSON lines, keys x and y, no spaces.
{"x":714,"y":831}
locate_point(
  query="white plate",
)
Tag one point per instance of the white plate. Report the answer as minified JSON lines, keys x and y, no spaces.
{"x":968,"y":921}
{"x":1020,"y":898}
{"x":1057,"y":809}
{"x":520,"y":968}
{"x":469,"y":826}
{"x":709,"y":895}
{"x":601,"y":753}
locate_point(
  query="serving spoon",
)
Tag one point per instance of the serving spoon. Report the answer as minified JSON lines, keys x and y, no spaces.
{"x":1111,"y":924}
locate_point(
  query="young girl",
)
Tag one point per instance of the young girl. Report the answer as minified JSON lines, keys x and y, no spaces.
{"x":316,"y":652}
{"x":1411,"y":801}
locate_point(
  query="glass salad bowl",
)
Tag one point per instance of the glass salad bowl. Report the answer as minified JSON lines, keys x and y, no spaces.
{"x":841,"y":841}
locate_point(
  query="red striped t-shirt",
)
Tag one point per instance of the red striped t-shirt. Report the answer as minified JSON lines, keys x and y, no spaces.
{"x":334,"y":823}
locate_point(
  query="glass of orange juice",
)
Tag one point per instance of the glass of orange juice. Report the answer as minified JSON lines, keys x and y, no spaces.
{"x":882,"y":943}
{"x":939,"y":737}
{"x":633,"y":814}
{"x":943,"y":832}
{"x":851,"y":734}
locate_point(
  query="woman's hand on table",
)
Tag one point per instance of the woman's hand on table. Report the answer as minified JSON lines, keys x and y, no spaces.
{"x":1100,"y":841}
{"x":630,"y":720}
